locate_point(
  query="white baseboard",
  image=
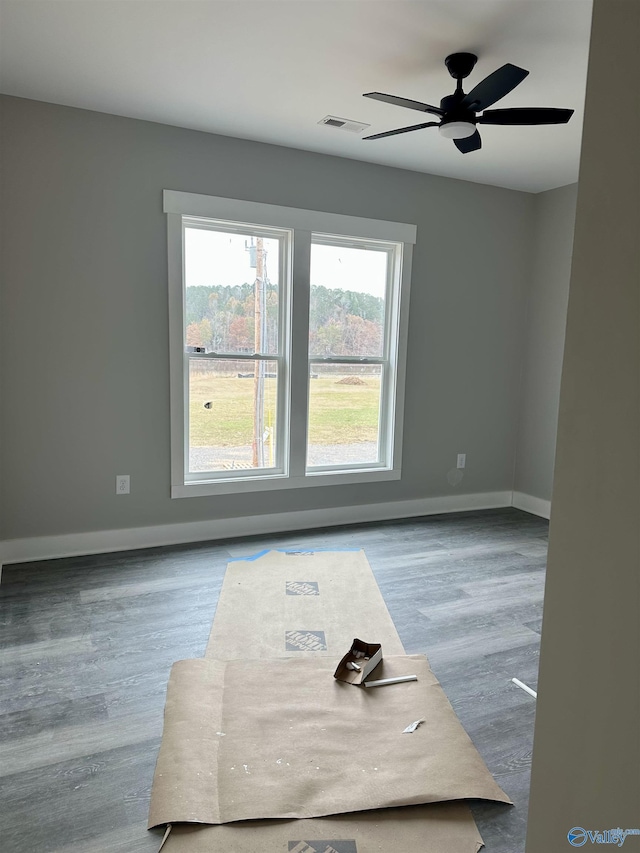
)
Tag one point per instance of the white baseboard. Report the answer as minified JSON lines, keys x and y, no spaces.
{"x":103,"y":541}
{"x":536,"y":506}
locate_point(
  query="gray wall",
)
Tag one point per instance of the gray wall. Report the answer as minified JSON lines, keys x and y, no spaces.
{"x":586,"y":752}
{"x":546,"y":317}
{"x":85,"y":390}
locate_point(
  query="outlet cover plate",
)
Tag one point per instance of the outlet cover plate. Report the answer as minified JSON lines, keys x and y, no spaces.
{"x":123,"y":484}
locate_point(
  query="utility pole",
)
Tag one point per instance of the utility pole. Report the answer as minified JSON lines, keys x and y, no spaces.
{"x":258,"y":381}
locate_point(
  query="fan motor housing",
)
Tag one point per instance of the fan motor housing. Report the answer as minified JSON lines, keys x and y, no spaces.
{"x":451,"y":103}
{"x":454,"y":112}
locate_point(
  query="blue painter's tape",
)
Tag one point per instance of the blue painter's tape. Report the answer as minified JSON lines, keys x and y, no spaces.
{"x":248,"y":559}
{"x":257,"y":556}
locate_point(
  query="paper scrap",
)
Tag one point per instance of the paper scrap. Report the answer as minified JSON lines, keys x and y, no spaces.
{"x":413,"y":726}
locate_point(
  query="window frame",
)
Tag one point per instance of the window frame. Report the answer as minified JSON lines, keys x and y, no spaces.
{"x":394,"y":252}
{"x":303,"y":225}
{"x":281,"y":358}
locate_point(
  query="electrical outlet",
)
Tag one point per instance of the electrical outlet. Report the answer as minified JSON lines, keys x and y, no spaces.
{"x":123,"y":484}
{"x":462,"y":460}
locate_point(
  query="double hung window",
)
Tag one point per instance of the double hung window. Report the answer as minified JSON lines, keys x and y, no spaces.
{"x":287,"y":343}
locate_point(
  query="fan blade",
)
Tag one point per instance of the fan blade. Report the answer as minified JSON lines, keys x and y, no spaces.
{"x":404,"y":102}
{"x":494,"y":87}
{"x":526,"y":115}
{"x":469,"y":143}
{"x":402,"y":130}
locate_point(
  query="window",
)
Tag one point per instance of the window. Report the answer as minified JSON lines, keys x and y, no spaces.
{"x":287,"y":342}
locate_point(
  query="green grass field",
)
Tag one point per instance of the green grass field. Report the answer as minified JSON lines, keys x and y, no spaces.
{"x":340,"y":414}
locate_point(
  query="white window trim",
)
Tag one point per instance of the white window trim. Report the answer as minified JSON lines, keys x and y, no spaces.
{"x":302,"y":223}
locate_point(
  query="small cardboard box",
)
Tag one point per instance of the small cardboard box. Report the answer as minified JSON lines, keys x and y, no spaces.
{"x":366,"y":656}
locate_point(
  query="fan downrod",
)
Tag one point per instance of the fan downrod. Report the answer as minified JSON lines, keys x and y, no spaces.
{"x":460,"y":65}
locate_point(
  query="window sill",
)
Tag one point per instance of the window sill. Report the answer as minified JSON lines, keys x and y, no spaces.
{"x":277,"y":482}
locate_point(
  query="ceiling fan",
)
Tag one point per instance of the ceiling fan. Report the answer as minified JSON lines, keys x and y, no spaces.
{"x":457,"y":112}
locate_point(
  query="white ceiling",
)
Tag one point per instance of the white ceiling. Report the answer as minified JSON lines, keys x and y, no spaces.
{"x":269,"y":70}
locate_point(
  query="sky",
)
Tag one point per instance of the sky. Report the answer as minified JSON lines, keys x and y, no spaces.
{"x":215,"y":257}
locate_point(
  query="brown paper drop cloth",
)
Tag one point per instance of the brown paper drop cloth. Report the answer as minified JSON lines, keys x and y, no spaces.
{"x":306,"y":607}
{"x":303,"y":605}
{"x":283,"y":739}
{"x":438,"y":828}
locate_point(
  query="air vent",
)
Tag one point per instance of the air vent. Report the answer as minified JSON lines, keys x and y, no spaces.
{"x":344,"y":124}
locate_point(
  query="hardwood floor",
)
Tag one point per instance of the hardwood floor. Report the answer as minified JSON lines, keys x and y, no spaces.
{"x":87,"y":644}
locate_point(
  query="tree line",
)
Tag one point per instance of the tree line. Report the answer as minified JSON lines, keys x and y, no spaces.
{"x":342,"y":322}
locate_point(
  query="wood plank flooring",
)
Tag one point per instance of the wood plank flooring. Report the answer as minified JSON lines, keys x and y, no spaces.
{"x":87,"y":643}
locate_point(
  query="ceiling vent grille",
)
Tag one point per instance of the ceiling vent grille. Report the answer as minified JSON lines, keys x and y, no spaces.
{"x":344,"y":124}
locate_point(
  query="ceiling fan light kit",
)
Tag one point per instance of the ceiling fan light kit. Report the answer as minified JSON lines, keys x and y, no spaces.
{"x":458,"y":113}
{"x":456,"y":129}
